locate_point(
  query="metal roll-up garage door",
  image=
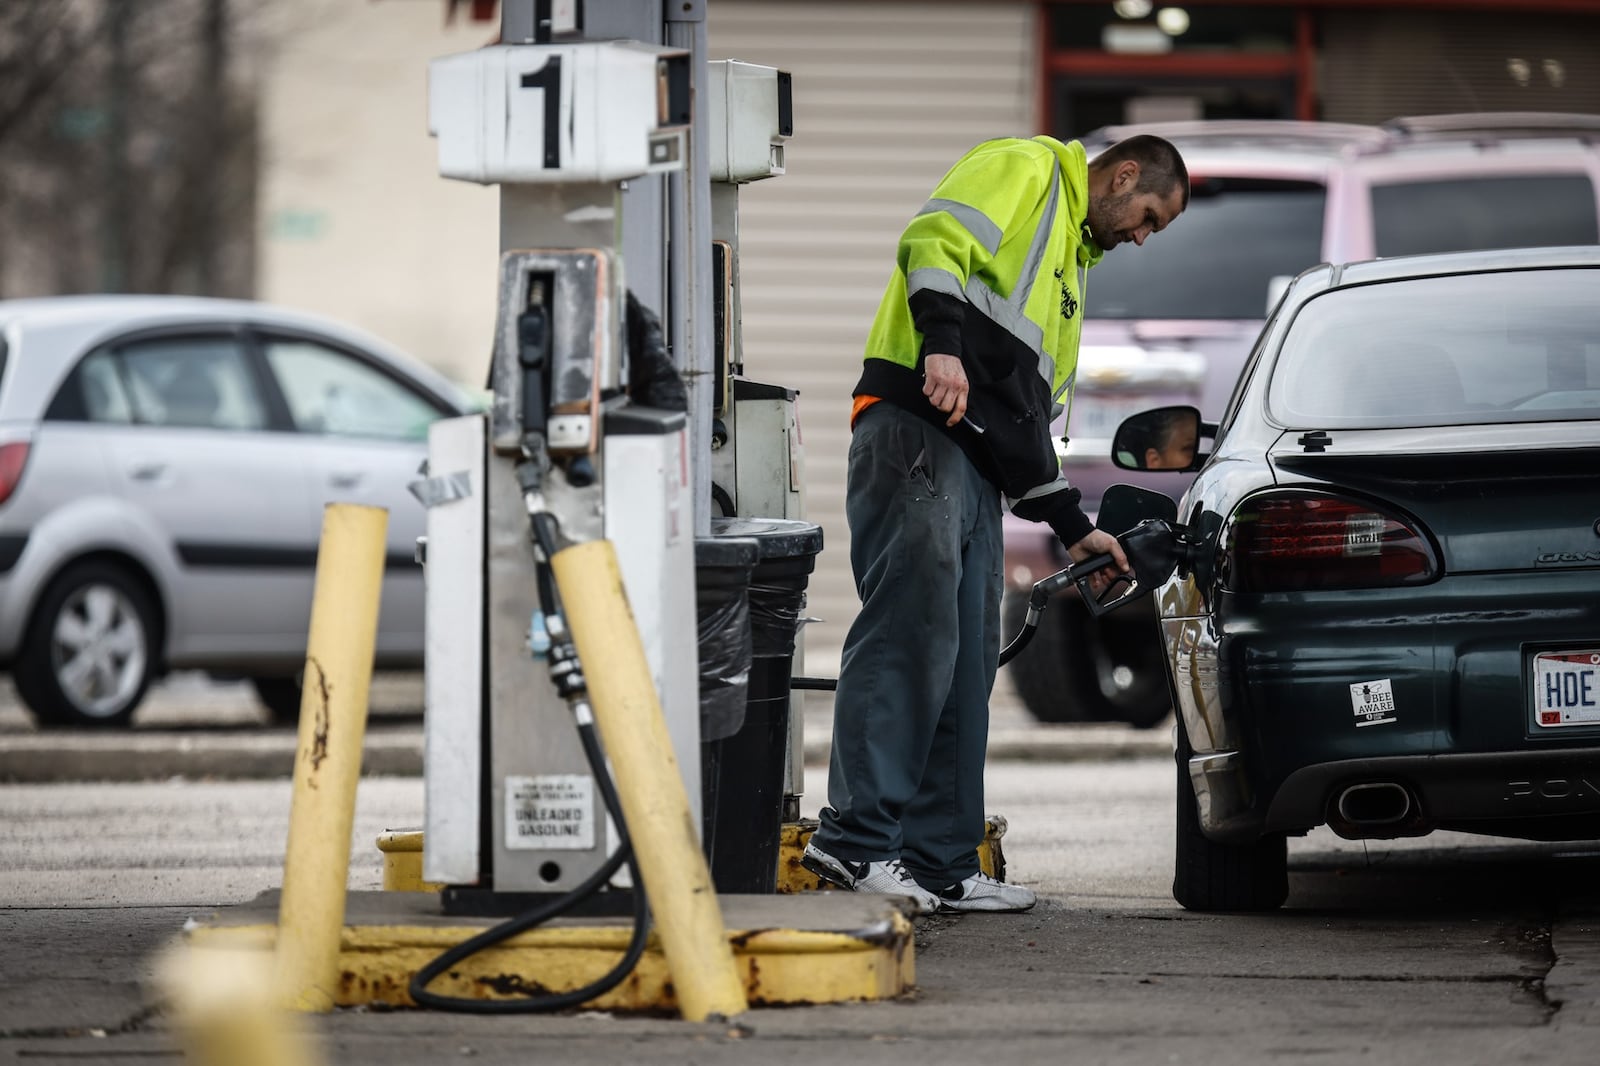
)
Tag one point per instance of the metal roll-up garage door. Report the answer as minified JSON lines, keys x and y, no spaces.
{"x":887,"y":96}
{"x":1377,"y":65}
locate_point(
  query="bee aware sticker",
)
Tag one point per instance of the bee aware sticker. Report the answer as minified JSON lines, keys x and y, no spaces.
{"x":1373,"y":702}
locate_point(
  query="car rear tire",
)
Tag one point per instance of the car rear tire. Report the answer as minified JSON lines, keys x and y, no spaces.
{"x":1041,"y":672}
{"x":280,"y":696}
{"x":1208,"y":876}
{"x":90,"y":651}
{"x":1079,"y":668}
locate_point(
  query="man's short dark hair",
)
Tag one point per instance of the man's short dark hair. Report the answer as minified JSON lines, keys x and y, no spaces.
{"x":1161,"y":168}
{"x":1156,"y":429}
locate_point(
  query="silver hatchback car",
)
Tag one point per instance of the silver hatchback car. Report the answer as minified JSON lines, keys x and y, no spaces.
{"x":164,"y":464}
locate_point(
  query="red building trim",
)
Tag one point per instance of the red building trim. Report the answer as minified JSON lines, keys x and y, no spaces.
{"x":1171,"y":64}
{"x":1305,"y":54}
{"x":1519,"y":6}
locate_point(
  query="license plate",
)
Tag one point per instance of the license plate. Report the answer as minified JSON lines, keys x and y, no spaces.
{"x":1096,"y":418}
{"x":1566,"y":688}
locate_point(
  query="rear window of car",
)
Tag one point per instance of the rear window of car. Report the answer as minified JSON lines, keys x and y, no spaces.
{"x":1478,"y":214}
{"x":1218,"y":259}
{"x":1470,"y":349}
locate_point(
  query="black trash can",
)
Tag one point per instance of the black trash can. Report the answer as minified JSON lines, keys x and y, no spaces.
{"x":743,"y":771}
{"x":722,"y":567}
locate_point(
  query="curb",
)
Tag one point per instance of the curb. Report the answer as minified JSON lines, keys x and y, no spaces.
{"x":41,"y":758}
{"x":151,"y":755}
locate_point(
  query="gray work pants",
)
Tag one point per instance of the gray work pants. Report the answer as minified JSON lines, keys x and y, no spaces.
{"x":911,"y":716}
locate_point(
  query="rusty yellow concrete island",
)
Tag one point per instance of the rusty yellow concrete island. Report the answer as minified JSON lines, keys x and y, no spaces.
{"x":802,"y":948}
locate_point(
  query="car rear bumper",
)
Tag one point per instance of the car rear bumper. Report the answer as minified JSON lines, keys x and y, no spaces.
{"x":1273,"y":701}
{"x":1540,"y":794}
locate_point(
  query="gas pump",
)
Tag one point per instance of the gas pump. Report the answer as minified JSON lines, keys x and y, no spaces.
{"x":514,"y":809}
{"x":756,"y":451}
{"x":757,"y":455}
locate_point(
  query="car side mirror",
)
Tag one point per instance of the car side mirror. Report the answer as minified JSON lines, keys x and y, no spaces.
{"x":1164,"y":438}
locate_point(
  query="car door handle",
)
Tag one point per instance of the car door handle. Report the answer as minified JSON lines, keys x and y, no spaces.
{"x":147,"y":471}
{"x":344,"y":479}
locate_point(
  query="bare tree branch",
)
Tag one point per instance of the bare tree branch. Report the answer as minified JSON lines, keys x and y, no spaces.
{"x":127,"y":148}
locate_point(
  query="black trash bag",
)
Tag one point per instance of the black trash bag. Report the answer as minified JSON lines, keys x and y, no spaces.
{"x":652,"y":379}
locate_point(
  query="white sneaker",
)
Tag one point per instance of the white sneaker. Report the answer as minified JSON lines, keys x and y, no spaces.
{"x":887,"y":877}
{"x":980,"y":892}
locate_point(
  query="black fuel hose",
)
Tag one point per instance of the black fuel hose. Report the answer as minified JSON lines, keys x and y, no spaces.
{"x":1007,"y":653}
{"x":546,"y":911}
{"x":1038,"y":600}
{"x":545,"y":532}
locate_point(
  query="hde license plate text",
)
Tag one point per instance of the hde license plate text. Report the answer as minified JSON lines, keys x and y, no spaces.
{"x":1566,"y":688}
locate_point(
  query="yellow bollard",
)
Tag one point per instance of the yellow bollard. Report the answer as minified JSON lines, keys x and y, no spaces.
{"x":628,"y":713}
{"x":327,"y":765}
{"x":225,"y":1012}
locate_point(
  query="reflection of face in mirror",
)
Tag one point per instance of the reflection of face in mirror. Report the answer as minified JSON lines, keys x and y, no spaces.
{"x":1164,"y":439}
{"x":1173,"y":447}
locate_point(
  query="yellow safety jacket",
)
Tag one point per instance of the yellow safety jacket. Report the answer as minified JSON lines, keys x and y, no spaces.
{"x":990,"y":270}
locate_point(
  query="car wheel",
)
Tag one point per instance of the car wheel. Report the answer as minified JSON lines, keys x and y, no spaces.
{"x":1041,"y":672}
{"x":1208,"y":876}
{"x":280,"y":696}
{"x":1120,"y":665}
{"x":90,"y":651}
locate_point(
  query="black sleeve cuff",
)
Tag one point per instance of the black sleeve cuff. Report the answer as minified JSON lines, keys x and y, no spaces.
{"x":1060,"y":511}
{"x":1071,"y":526}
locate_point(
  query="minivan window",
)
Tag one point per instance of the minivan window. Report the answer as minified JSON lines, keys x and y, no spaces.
{"x":1217,"y":259}
{"x":1478,"y":214}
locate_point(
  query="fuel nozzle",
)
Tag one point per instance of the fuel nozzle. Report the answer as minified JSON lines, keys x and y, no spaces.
{"x":533,"y":358}
{"x":1155,"y":549}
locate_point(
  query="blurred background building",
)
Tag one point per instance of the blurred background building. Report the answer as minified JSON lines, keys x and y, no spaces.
{"x":278,"y":149}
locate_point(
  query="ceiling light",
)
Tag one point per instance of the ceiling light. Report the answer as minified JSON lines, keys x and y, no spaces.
{"x":1174,"y":21}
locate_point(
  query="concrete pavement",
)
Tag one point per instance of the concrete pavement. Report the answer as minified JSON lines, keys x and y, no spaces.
{"x":1401,"y":953}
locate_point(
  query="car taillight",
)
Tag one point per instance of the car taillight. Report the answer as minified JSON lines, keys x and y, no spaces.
{"x":13,"y":457}
{"x":1299,"y":541}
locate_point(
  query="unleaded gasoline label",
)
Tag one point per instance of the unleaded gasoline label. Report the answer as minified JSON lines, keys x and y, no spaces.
{"x":550,"y":812}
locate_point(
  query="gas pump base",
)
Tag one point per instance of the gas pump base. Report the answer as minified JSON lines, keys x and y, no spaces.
{"x":792,"y":877}
{"x":402,"y":857}
{"x":790,"y":950}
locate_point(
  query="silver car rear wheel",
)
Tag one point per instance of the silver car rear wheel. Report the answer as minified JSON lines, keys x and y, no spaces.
{"x":87,"y":661}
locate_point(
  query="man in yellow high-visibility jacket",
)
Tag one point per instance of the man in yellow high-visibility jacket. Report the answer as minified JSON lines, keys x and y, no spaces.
{"x":972,"y":352}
